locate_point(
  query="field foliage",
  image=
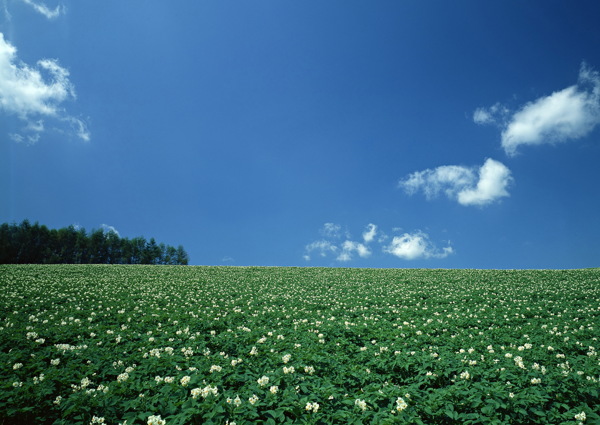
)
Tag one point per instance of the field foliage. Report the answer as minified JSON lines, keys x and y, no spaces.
{"x":247,"y":345}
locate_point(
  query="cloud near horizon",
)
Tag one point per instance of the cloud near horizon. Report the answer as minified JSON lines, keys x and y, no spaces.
{"x":466,"y":185}
{"x":35,"y":94}
{"x":564,"y":115}
{"x":411,"y":246}
{"x":408,"y":246}
{"x":106,"y":228}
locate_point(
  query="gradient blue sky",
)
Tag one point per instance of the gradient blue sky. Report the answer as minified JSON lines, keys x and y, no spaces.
{"x":432,"y":134}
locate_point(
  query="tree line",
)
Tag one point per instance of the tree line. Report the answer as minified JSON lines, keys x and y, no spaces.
{"x":28,"y":243}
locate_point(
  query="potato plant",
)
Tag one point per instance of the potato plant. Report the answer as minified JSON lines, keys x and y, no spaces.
{"x":85,"y":344}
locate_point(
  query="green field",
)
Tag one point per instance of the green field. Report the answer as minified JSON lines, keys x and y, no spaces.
{"x":253,"y":345}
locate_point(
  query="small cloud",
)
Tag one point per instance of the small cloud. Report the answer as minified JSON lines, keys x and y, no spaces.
{"x":331,"y":230}
{"x":369,"y":234}
{"x":227,"y":259}
{"x":492,"y":115}
{"x":45,"y":10}
{"x":36,"y":94}
{"x":109,"y":229}
{"x":494,"y":178}
{"x":466,"y":185}
{"x":449,"y":179}
{"x":322,"y":247}
{"x":415,"y":246}
{"x":350,"y":247}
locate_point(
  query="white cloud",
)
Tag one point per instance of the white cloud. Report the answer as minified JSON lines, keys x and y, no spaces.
{"x":462,"y":184}
{"x":449,"y":179}
{"x":349,"y":247}
{"x":45,"y":10}
{"x":492,"y":115}
{"x":331,"y":230}
{"x":31,"y":93}
{"x":369,"y":234}
{"x":5,"y":11}
{"x":494,"y":177}
{"x":567,"y":114}
{"x":482,"y":116}
{"x":414,"y":246}
{"x":322,"y":247}
{"x":109,"y":229}
{"x":23,"y":90}
{"x":408,"y":246}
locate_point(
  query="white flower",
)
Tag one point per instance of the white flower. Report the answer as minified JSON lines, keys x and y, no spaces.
{"x":361,"y":404}
{"x":54,"y":362}
{"x":535,"y":380}
{"x":273,"y":389}
{"x":263,"y":381}
{"x":215,"y":368}
{"x":465,"y":375}
{"x":237,"y":401}
{"x":17,"y":366}
{"x":580,"y":416}
{"x":309,"y":369}
{"x":155,"y":420}
{"x":57,"y":400}
{"x":253,"y":399}
{"x":205,"y":392}
{"x":314,"y":407}
{"x":254,"y":351}
{"x":286,"y":358}
{"x":122,"y":377}
{"x":400,"y":404}
{"x":185,"y":380}
{"x":290,"y":369}
{"x":97,"y":420}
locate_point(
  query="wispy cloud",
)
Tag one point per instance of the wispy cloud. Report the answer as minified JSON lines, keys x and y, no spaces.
{"x":493,"y":115}
{"x":466,"y":185}
{"x":331,"y":230}
{"x":564,"y":115}
{"x":37,"y":93}
{"x":321,"y":247}
{"x":109,"y":229}
{"x":45,"y":10}
{"x":412,"y":246}
{"x":351,"y":247}
{"x":407,"y":246}
{"x":370,"y":233}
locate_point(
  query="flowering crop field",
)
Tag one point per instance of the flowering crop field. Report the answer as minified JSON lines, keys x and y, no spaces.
{"x":85,"y":344}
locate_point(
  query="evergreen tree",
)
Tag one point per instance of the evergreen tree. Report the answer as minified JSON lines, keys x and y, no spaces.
{"x":35,"y":243}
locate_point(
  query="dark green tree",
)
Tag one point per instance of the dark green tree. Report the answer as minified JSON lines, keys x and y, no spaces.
{"x":35,"y":243}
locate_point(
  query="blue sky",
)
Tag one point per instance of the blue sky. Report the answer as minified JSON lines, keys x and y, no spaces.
{"x":316,"y":133}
